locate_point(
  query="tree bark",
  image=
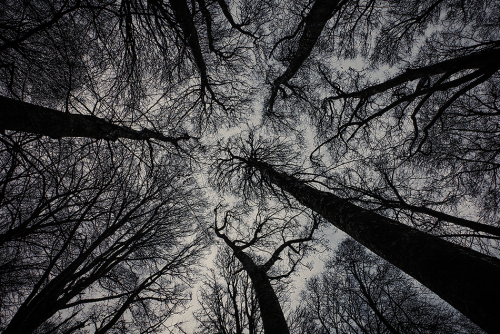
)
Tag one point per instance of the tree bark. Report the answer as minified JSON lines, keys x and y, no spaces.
{"x":466,"y":279}
{"x":318,"y":16}
{"x":272,"y":315}
{"x":25,"y":117}
{"x":273,"y":319}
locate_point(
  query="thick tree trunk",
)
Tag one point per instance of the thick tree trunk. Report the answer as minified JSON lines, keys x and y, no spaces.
{"x":466,"y":279}
{"x":21,"y":116}
{"x":272,"y":315}
{"x":318,"y":16}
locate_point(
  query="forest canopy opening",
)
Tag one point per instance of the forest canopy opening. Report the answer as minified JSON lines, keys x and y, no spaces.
{"x":125,"y":123}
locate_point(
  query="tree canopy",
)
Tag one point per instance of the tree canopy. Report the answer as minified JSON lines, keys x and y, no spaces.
{"x":124,"y":123}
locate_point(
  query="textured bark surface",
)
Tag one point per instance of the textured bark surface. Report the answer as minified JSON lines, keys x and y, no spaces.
{"x":466,"y":279}
{"x":25,"y":117}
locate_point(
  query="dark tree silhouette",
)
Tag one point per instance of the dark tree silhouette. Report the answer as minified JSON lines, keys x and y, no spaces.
{"x":25,"y":117}
{"x":267,"y":225}
{"x":228,"y":301}
{"x":312,"y":25}
{"x":361,"y":293}
{"x":461,"y":276}
{"x":89,"y":236}
{"x":397,"y":99}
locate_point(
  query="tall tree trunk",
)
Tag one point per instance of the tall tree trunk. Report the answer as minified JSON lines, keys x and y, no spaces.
{"x":466,"y":279}
{"x":314,"y":22}
{"x":272,"y":315}
{"x":478,"y":227}
{"x":273,"y":319}
{"x":481,"y":59}
{"x":21,"y":116}
{"x":184,"y":18}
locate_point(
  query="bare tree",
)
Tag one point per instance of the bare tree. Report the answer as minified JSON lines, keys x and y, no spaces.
{"x":406,"y":144}
{"x":291,"y":239}
{"x":91,"y":238}
{"x":361,"y":293}
{"x":130,"y":62}
{"x":435,"y":263}
{"x":227,"y":298}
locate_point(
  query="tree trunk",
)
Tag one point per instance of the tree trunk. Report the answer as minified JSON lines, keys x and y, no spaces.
{"x":481,"y":59}
{"x":478,"y":227}
{"x":21,"y":116}
{"x":272,"y":315}
{"x":184,"y":18}
{"x":314,"y":22}
{"x":466,"y":279}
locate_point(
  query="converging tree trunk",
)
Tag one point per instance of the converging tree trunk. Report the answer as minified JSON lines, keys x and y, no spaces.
{"x":273,"y":319}
{"x":320,"y":13}
{"x":466,"y":279}
{"x":272,"y":315}
{"x":21,"y":116}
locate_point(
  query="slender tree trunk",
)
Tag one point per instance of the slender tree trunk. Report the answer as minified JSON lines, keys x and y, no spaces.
{"x":478,"y":227}
{"x":466,"y":279}
{"x":272,"y":315}
{"x":481,"y":59}
{"x":184,"y":18}
{"x":21,"y":116}
{"x":315,"y":21}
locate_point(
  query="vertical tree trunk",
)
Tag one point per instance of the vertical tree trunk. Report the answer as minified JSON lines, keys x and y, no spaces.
{"x":466,"y":279}
{"x":272,"y":315}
